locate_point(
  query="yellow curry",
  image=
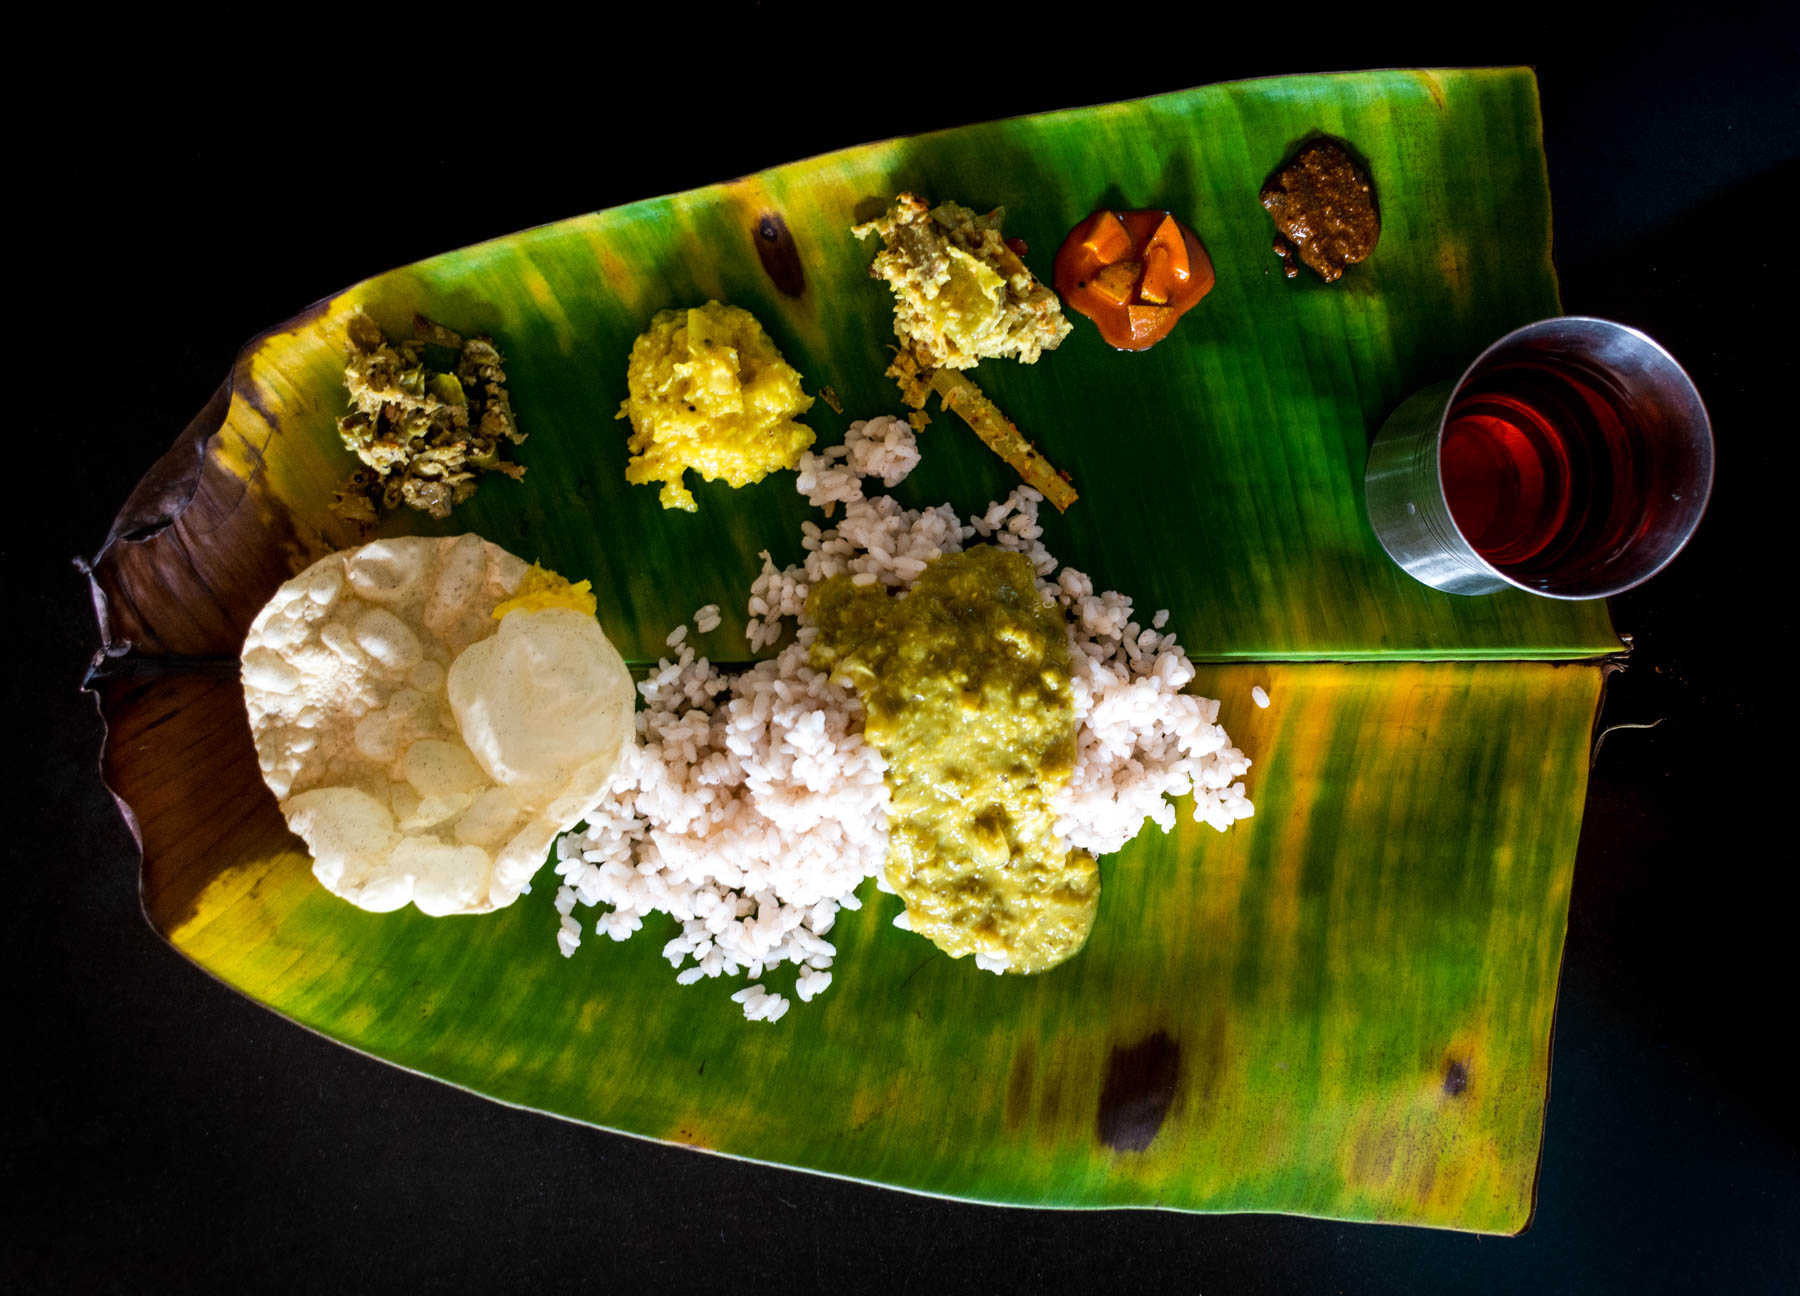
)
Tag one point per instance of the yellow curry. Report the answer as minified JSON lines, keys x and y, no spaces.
{"x":709,"y":392}
{"x":965,"y":681}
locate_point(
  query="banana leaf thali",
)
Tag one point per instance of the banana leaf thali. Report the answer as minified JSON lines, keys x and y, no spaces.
{"x":1340,"y":1008}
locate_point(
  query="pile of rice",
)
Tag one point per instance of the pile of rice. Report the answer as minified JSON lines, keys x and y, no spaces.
{"x":753,"y":809}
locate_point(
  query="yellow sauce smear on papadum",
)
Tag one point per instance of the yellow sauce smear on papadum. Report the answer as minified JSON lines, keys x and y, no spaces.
{"x":543,"y":588}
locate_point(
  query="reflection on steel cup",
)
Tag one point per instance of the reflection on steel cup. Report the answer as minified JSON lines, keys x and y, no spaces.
{"x":1573,"y":459}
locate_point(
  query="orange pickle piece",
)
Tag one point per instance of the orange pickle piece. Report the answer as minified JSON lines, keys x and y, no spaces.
{"x":1133,"y":273}
{"x":1149,"y":322}
{"x":1108,"y":239}
{"x":1118,"y":281}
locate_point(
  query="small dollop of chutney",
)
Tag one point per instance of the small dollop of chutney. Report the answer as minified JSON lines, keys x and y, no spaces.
{"x":1323,"y":206}
{"x":1133,"y":273}
{"x":965,"y":685}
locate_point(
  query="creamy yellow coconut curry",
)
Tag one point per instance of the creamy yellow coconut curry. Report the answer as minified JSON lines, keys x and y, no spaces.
{"x":965,"y":680}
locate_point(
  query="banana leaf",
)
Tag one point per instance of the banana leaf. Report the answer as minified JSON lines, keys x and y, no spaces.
{"x":1340,"y":1008}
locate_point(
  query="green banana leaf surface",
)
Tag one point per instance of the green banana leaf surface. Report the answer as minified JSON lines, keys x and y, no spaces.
{"x":1341,"y":1007}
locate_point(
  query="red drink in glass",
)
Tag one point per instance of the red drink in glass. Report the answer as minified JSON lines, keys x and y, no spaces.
{"x":1544,"y":468}
{"x":1572,"y":459}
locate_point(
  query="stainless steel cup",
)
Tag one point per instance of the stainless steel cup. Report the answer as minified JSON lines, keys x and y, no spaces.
{"x":1411,"y":515}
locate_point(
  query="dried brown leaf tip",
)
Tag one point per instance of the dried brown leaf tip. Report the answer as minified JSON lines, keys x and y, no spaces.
{"x":424,"y":433}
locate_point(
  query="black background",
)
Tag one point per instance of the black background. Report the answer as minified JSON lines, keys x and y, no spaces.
{"x":165,"y":1134}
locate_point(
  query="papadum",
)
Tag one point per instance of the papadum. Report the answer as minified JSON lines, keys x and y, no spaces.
{"x":425,"y":750}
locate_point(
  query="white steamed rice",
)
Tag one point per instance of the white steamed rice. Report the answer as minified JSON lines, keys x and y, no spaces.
{"x":753,"y":809}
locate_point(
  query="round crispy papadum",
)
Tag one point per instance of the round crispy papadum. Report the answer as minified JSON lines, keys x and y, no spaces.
{"x":425,"y":751}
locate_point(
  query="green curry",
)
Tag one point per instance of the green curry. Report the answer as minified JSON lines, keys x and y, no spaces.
{"x":965,"y":681}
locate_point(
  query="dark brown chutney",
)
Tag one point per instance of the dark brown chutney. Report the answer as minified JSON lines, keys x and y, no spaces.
{"x":1324,"y":209}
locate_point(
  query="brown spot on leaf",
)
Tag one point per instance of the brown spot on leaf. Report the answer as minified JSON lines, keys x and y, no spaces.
{"x":1019,"y":1084}
{"x":1050,"y":1096}
{"x":780,"y":258}
{"x":1428,"y":1171}
{"x":1456,"y":1078}
{"x":1140,"y":1085}
{"x":1373,"y":1158}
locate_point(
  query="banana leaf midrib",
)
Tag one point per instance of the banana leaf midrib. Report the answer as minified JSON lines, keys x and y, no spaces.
{"x":131,"y":662}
